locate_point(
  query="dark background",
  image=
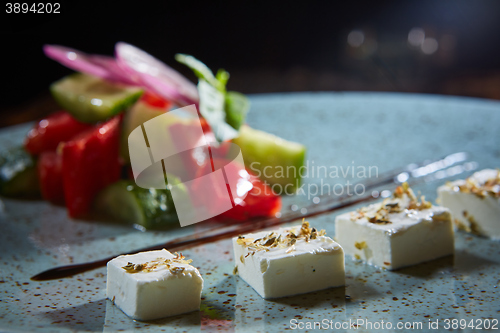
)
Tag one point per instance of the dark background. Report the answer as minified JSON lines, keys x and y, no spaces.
{"x":267,"y":46}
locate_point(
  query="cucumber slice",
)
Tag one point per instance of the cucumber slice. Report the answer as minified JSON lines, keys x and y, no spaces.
{"x":137,"y":115}
{"x":124,"y":201}
{"x":272,"y":159}
{"x":18,"y":174}
{"x":91,"y":99}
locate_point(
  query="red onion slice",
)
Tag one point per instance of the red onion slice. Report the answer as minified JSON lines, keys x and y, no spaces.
{"x":155,"y":74}
{"x":166,"y":90}
{"x":96,"y":65}
{"x":111,"y":65}
{"x":132,"y":66}
{"x":76,"y":60}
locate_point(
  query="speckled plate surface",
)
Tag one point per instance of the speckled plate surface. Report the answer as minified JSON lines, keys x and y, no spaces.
{"x":340,"y":129}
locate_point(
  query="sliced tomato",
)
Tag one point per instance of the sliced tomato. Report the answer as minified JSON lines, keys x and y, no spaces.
{"x":155,"y":100}
{"x":205,"y":126}
{"x":260,"y":201}
{"x":50,"y":176}
{"x":50,"y":131}
{"x":90,"y":162}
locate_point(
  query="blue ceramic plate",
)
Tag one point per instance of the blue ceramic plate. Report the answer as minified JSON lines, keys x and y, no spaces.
{"x":341,"y":130}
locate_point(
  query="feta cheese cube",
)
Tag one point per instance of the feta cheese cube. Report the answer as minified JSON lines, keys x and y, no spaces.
{"x":398,"y":232}
{"x":154,"y":284}
{"x":289,"y":261}
{"x":475,"y":203}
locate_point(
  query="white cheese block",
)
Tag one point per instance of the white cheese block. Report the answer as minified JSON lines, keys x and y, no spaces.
{"x":281,"y":271}
{"x":479,"y":214}
{"x":412,"y":236}
{"x":151,"y":294}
